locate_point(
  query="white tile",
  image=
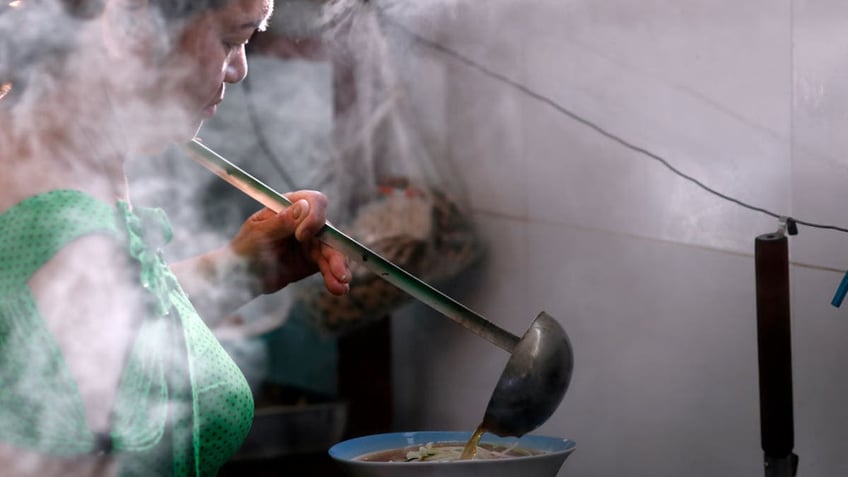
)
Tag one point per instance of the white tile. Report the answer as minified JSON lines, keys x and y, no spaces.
{"x":652,"y":277}
{"x":820,"y":168}
{"x":485,"y":142}
{"x":483,"y":120}
{"x":819,"y":355}
{"x":665,"y":353}
{"x":634,"y":72}
{"x":820,"y":96}
{"x":734,"y":56}
{"x":820,"y":192}
{"x":580,"y":176}
{"x":577,"y":176}
{"x":492,"y":36}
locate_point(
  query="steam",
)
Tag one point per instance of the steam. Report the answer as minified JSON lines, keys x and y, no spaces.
{"x":60,"y":128}
{"x":397,"y":9}
{"x":378,"y":135}
{"x":24,"y":41}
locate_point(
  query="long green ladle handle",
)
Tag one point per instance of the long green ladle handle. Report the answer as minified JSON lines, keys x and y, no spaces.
{"x":385,"y":269}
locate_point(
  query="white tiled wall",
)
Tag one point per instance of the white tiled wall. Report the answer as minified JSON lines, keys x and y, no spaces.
{"x":652,"y":277}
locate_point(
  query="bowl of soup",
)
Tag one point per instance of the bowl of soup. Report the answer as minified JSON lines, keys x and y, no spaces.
{"x":438,"y":454}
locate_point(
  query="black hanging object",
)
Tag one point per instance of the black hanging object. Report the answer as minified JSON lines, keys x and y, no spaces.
{"x":791,"y":226}
{"x":774,"y":351}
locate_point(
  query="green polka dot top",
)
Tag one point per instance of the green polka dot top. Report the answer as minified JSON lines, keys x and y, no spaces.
{"x":183,"y":407}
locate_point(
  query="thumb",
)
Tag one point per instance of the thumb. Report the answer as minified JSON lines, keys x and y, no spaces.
{"x":276,"y":225}
{"x":298,"y":210}
{"x":295,"y":215}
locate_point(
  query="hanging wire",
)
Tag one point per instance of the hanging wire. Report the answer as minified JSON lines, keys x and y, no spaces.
{"x":591,"y":125}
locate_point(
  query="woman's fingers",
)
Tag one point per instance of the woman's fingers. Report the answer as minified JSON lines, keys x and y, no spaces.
{"x":335,"y":269}
{"x":283,"y":247}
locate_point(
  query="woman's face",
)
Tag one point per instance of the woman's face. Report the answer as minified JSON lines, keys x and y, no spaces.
{"x":183,"y":86}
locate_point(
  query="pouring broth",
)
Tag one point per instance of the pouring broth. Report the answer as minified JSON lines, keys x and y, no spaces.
{"x":471,"y":447}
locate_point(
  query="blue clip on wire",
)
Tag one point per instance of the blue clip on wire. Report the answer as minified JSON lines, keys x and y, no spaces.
{"x":841,"y":292}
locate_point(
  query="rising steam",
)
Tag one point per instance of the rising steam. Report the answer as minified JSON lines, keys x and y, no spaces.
{"x":51,"y":67}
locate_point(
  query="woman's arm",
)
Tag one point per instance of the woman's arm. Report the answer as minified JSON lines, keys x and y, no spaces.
{"x":270,"y":251}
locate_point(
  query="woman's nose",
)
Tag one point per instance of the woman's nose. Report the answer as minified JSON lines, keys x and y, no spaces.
{"x":236,"y":68}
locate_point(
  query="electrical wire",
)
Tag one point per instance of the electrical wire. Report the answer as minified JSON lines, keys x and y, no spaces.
{"x":591,"y":125}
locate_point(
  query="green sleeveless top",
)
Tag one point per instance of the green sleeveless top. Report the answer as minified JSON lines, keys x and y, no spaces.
{"x":183,"y":407}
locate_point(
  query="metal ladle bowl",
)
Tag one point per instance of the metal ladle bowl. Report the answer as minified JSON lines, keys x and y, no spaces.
{"x":534,"y":381}
{"x":537,"y":374}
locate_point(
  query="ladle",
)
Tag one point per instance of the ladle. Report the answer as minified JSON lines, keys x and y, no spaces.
{"x":539,"y":370}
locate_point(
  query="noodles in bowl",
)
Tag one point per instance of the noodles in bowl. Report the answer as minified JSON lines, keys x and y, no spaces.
{"x":444,"y":452}
{"x":436,"y":454}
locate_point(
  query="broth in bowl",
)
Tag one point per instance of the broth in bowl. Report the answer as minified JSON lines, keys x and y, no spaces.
{"x":438,"y":454}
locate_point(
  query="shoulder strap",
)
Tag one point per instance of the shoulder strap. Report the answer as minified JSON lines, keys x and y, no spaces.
{"x":33,"y":230}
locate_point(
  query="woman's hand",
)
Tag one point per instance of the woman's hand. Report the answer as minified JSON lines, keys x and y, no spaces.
{"x":281,"y":248}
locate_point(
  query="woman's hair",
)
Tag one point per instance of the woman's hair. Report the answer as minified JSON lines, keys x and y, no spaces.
{"x":170,"y":9}
{"x":37,"y":35}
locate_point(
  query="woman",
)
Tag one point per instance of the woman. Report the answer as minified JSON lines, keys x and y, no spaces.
{"x":105,"y":365}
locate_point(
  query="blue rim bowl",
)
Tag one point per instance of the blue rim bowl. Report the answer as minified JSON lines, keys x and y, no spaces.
{"x":555,"y":451}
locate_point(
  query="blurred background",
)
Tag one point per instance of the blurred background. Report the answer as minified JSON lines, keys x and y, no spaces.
{"x":651,"y":275}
